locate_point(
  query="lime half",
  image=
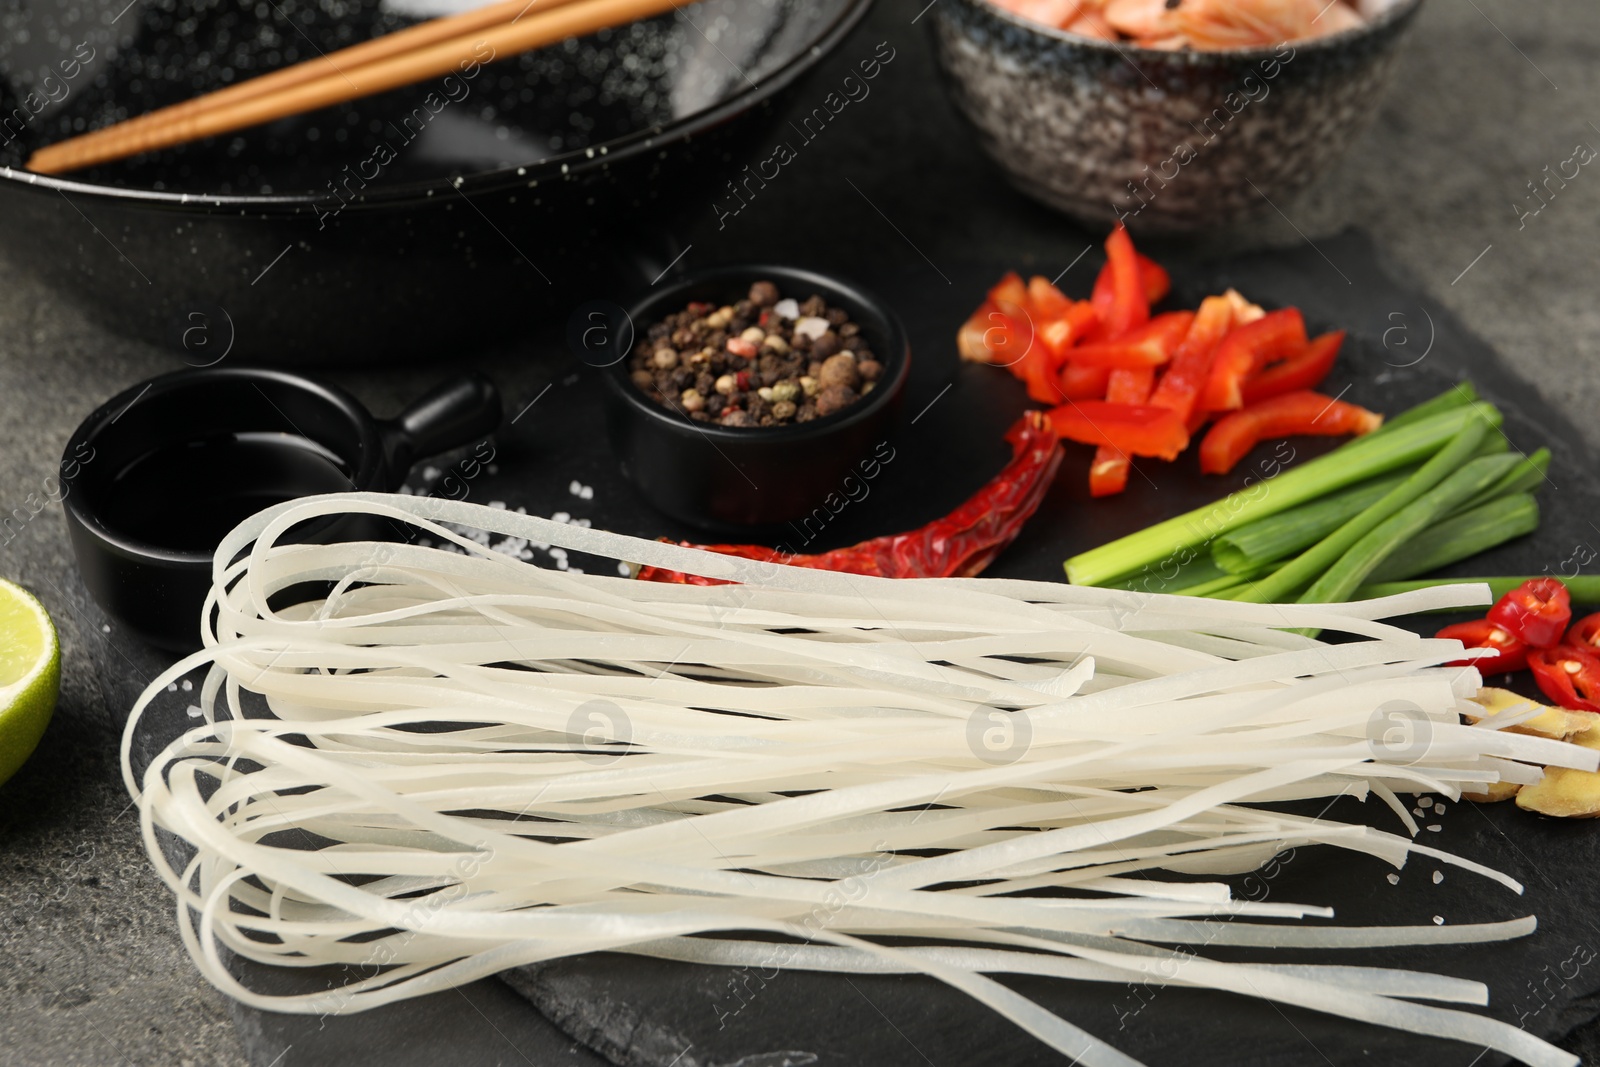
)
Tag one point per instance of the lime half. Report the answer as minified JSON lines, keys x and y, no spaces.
{"x":30,"y":675}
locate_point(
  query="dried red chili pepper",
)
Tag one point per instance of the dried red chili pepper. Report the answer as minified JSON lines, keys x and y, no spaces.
{"x":959,"y":545}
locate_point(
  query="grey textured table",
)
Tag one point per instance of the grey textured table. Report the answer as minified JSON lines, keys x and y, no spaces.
{"x":1490,"y":91}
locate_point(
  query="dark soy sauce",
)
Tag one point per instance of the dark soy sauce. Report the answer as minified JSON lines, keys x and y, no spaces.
{"x":187,"y":496}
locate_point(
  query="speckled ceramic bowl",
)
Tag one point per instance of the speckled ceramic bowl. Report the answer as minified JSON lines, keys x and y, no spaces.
{"x":1169,"y":141}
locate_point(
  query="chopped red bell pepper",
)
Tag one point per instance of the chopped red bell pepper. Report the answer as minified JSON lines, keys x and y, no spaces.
{"x":1157,"y":284}
{"x":972,"y":340}
{"x":1186,"y":377}
{"x":1139,"y":429}
{"x":1108,"y":471}
{"x":1148,"y":346}
{"x":1247,"y":349}
{"x":1066,"y":329}
{"x":1130,"y":308}
{"x":1045,"y":301}
{"x":1304,"y":371}
{"x":1481,"y":633}
{"x":1039,"y":374}
{"x":1569,"y":675}
{"x":1010,"y":289}
{"x":1585,"y":633}
{"x":1536,"y":612}
{"x":1084,"y":383}
{"x":1300,"y":413}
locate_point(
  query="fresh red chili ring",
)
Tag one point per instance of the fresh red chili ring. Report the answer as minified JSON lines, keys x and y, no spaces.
{"x":1569,"y":675}
{"x":1481,"y":633}
{"x":1537,"y":611}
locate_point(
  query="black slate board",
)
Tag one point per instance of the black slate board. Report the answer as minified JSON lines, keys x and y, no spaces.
{"x":661,"y":1014}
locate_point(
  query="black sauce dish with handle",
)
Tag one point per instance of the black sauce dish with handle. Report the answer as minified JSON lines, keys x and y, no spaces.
{"x":753,"y":479}
{"x":157,"y":475}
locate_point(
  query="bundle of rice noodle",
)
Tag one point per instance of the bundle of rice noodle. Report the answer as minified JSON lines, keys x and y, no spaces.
{"x":450,"y":763}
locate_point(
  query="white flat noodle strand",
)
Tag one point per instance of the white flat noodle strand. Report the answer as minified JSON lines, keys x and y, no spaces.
{"x":503,"y":765}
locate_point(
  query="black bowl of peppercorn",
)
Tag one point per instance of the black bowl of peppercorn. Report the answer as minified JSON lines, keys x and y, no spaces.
{"x":752,"y":392}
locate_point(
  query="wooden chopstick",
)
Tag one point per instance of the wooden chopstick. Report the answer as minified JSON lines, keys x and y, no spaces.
{"x":431,"y":49}
{"x":345,"y":62}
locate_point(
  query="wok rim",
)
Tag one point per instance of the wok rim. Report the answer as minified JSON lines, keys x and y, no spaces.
{"x":564,"y":167}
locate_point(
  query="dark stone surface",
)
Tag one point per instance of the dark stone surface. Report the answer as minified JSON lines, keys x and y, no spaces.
{"x":91,"y":969}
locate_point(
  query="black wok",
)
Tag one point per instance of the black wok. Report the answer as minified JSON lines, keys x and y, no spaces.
{"x":415,"y":223}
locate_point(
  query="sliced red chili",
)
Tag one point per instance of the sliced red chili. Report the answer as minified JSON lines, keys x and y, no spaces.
{"x":1569,"y":675}
{"x":1301,"y":413}
{"x":1304,"y":371}
{"x":1139,"y":429}
{"x":1537,"y":611}
{"x":1481,"y":633}
{"x":1248,"y":348}
{"x":1585,"y":633}
{"x":1150,"y":345}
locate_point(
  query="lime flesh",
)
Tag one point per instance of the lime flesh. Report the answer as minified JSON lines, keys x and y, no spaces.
{"x":30,"y":675}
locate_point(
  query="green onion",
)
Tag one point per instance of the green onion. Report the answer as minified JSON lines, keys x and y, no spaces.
{"x":1461,"y":537}
{"x":1458,"y":396}
{"x":1526,"y":476}
{"x":1222,"y":588}
{"x":1281,"y":536}
{"x":1180,"y":573}
{"x":1403,"y":525}
{"x":1585,"y":588}
{"x":1315,"y":561}
{"x":1365,"y":457}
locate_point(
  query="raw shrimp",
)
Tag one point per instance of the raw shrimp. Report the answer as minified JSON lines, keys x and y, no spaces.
{"x":1141,"y":19}
{"x":1205,"y":25}
{"x":1217,"y":24}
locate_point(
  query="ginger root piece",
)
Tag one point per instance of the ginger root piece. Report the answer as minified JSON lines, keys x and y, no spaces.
{"x":1558,"y":724}
{"x":1563,"y":792}
{"x":1494,"y":793}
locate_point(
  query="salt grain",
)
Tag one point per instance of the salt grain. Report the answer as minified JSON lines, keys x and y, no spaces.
{"x":188,"y":686}
{"x":1434,"y":827}
{"x":561,"y":516}
{"x":788,"y":308}
{"x":104,"y":628}
{"x":624,"y":570}
{"x":1438,"y":920}
{"x":1394,"y":879}
{"x":1438,"y":876}
{"x":173,"y":687}
{"x":575,"y":488}
{"x":194,"y":711}
{"x":430,"y":473}
{"x":587,"y":493}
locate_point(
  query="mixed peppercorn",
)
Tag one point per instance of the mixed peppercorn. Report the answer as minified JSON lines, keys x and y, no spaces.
{"x":763,"y":361}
